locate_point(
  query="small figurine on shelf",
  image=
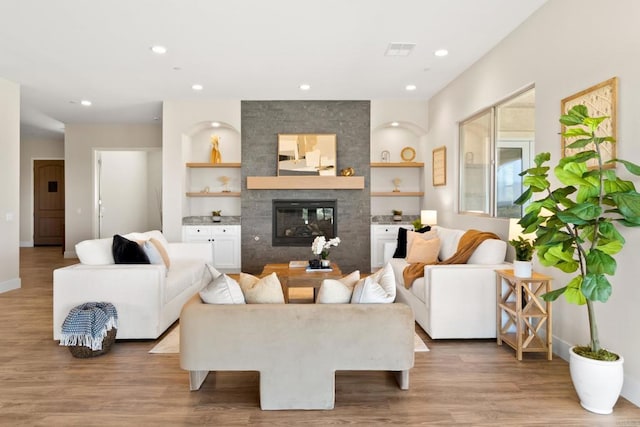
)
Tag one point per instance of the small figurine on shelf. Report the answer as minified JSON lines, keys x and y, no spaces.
{"x":216,"y":157}
{"x":396,"y":183}
{"x":225,"y":183}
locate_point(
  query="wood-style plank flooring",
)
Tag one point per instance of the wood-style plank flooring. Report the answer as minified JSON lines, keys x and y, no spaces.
{"x":464,"y":383}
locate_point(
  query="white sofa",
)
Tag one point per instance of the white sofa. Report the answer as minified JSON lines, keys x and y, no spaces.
{"x":457,"y":300}
{"x":148,"y":297}
{"x":297,"y":348}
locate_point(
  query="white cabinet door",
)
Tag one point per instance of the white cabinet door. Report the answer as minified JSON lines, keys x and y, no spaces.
{"x":226,"y":247}
{"x":381,"y":234}
{"x":225,"y":243}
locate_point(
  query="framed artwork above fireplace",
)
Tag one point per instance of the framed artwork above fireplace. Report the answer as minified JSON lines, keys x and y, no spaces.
{"x":306,"y":154}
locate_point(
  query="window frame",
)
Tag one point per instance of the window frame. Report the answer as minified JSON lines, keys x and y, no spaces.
{"x":492,"y":166}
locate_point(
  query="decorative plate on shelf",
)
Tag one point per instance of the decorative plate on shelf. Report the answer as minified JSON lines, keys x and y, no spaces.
{"x":408,"y":154}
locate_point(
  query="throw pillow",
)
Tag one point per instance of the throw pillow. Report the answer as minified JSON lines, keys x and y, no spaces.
{"x":151,"y":252}
{"x":222,"y":290}
{"x":266,"y":290}
{"x":401,"y":245}
{"x":338,"y":291}
{"x":380,"y":287}
{"x":162,"y":250}
{"x":412,"y":235}
{"x":425,"y":251}
{"x":95,"y":251}
{"x":126,"y":251}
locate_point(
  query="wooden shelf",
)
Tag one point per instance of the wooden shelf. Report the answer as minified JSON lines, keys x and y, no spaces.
{"x":397,"y":164}
{"x":397,"y":193}
{"x":305,"y":182}
{"x":220,"y":194}
{"x":213,"y":165}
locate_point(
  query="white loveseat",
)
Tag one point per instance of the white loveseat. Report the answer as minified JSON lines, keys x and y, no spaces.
{"x":148,"y":297}
{"x":457,"y":300}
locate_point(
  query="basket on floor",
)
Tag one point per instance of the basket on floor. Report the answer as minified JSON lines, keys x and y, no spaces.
{"x":90,"y":329}
{"x":82,"y":352}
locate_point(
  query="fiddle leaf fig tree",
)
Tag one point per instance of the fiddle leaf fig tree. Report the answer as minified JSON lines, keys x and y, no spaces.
{"x":576,"y":224}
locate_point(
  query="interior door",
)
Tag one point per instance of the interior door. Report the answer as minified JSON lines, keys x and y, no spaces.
{"x":48,"y":202}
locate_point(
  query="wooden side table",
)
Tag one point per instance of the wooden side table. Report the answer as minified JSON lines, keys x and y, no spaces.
{"x":526,"y":311}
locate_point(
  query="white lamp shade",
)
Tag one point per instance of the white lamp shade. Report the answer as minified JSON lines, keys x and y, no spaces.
{"x":428,"y":217}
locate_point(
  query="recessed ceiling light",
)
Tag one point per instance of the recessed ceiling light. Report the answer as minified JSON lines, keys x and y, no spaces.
{"x":395,"y":124}
{"x":305,"y":86}
{"x":410,"y":87}
{"x":160,"y":50}
{"x":85,"y":102}
{"x":441,"y":52}
{"x":215,"y":124}
{"x":197,"y":87}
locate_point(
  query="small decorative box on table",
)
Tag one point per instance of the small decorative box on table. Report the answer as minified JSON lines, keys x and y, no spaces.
{"x":519,"y":299}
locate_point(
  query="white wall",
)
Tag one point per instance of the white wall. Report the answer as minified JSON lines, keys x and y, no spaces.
{"x":124,"y":192}
{"x":565,"y":47}
{"x":80,"y":142}
{"x":10,"y":188}
{"x":181,"y":120}
{"x":33,"y":148}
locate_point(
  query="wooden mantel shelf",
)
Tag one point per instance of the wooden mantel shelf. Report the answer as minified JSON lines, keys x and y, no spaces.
{"x":305,"y":182}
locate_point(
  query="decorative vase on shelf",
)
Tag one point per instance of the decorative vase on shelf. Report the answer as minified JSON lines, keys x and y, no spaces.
{"x":216,"y":157}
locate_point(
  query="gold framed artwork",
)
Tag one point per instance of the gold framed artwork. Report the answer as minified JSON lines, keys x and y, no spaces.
{"x":439,"y":166}
{"x":600,"y":100}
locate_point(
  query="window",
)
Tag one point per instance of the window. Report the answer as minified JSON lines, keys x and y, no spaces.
{"x":495,"y":146}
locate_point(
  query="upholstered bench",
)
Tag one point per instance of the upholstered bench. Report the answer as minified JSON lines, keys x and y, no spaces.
{"x":297,"y":348}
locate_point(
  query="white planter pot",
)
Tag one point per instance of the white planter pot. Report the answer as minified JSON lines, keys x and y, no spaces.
{"x":325,"y":263}
{"x":522,"y":268}
{"x":597,"y":382}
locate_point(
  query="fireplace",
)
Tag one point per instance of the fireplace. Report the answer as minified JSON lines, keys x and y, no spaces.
{"x":298,"y":222}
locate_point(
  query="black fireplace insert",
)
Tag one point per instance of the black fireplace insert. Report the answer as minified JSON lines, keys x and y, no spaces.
{"x":298,"y":222}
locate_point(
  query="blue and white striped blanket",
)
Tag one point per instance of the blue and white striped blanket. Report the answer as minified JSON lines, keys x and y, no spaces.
{"x":87,"y":324}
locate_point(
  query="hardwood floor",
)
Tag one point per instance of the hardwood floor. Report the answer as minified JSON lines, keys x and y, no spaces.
{"x":465,"y":383}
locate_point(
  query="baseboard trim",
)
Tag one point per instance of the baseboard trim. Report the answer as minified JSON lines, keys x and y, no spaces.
{"x":10,"y":285}
{"x":631,"y":387}
{"x":26,"y":244}
{"x":70,"y":254}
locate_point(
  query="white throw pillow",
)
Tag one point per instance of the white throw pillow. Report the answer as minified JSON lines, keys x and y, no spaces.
{"x":222,"y":290}
{"x":338,"y":291}
{"x":95,"y":251}
{"x":380,"y":287}
{"x":491,"y":251}
{"x":449,"y":239}
{"x":267,"y":290}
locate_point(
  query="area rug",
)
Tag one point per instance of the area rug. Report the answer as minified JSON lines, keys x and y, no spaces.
{"x":171,"y":343}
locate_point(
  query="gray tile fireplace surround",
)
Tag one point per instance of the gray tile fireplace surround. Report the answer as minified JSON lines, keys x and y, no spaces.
{"x":262,"y":121}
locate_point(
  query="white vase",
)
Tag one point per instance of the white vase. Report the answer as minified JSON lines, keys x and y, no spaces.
{"x":325,"y":263}
{"x":522,"y":268}
{"x":597,"y":382}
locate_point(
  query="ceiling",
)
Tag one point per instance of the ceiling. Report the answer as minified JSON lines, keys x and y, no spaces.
{"x":65,"y":51}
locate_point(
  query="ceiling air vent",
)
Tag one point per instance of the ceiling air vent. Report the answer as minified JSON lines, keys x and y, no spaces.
{"x":399,"y":49}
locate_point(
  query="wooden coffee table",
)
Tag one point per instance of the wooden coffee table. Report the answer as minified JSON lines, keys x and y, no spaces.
{"x":299,"y":277}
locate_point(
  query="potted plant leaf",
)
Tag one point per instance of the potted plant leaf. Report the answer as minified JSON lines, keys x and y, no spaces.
{"x":576,"y":226}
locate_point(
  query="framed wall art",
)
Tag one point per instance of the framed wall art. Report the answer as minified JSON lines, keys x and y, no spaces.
{"x":439,"y":166}
{"x":307,"y":154}
{"x":601,"y":100}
